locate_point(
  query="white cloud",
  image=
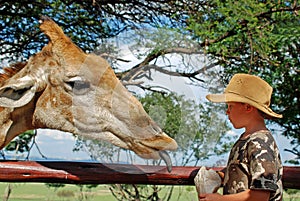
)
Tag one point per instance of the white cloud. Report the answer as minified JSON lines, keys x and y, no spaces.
{"x":54,"y":134}
{"x":56,"y":144}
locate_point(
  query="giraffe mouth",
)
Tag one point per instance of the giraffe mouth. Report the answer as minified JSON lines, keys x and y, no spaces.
{"x":141,"y":148}
{"x":154,"y":147}
{"x":163,"y":154}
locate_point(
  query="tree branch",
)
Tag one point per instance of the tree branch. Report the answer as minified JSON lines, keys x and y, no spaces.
{"x":126,"y":75}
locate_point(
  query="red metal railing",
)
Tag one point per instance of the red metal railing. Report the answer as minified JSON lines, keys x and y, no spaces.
{"x":101,"y":173}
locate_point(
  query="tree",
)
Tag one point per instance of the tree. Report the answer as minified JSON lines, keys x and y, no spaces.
{"x":86,"y":22}
{"x":253,"y":36}
{"x":258,"y":37}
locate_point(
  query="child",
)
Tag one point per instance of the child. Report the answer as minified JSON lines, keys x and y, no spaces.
{"x":254,"y":168}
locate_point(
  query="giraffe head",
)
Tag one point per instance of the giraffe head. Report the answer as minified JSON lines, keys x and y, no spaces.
{"x":63,"y":88}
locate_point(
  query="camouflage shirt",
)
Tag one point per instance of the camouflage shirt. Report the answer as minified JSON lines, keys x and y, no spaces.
{"x":254,"y":163}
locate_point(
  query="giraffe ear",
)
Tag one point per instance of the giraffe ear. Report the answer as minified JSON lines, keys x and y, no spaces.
{"x":17,"y":94}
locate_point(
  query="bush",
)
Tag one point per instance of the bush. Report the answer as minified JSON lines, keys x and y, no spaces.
{"x":65,"y":193}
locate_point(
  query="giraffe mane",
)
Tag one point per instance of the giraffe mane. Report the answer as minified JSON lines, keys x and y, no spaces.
{"x":10,"y":71}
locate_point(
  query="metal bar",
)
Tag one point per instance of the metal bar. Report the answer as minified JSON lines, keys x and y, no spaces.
{"x":102,"y":173}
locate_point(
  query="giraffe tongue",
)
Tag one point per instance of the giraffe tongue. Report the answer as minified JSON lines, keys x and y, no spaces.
{"x":166,"y":157}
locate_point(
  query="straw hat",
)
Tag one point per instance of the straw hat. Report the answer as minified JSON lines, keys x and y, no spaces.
{"x":249,"y":89}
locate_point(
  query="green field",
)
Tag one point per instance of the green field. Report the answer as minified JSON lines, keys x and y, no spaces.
{"x":40,"y":192}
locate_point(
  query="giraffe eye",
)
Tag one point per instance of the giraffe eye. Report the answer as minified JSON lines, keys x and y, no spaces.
{"x":78,"y":86}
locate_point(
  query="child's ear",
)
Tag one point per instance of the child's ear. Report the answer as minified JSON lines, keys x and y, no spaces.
{"x":248,"y":107}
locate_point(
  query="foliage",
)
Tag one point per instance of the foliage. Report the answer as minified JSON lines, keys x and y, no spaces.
{"x":83,"y":189}
{"x":65,"y":193}
{"x":86,"y":22}
{"x":19,"y":21}
{"x":257,"y":37}
{"x":55,"y":185}
{"x":136,"y":192}
{"x":293,"y":194}
{"x":21,"y":143}
{"x":295,"y":151}
{"x":189,"y":124}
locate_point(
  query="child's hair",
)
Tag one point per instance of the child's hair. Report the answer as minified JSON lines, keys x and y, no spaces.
{"x":264,"y":115}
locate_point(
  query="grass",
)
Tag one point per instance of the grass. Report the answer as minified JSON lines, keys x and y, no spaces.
{"x":40,"y":192}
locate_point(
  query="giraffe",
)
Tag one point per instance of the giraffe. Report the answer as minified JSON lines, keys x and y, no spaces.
{"x":63,"y":88}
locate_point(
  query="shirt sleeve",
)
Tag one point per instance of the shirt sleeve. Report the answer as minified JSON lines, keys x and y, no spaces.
{"x":263,"y":159}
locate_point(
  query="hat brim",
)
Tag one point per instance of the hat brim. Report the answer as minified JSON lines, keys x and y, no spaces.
{"x":231,"y":97}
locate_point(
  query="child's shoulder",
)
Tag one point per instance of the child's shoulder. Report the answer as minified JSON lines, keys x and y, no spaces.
{"x":262,"y":138}
{"x":262,"y":134}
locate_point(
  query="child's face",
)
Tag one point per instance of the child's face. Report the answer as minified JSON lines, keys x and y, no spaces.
{"x":237,"y":114}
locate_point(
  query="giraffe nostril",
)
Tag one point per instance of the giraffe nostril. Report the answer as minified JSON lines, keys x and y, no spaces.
{"x":157,"y":129}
